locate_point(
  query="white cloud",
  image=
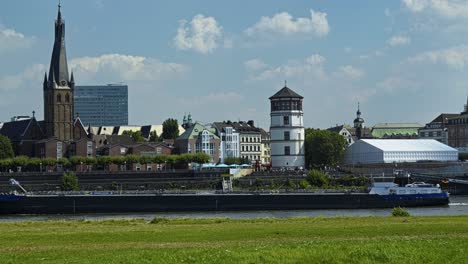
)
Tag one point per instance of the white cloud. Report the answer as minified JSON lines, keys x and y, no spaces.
{"x":105,"y":68}
{"x":351,"y":72}
{"x":370,"y":55}
{"x":455,"y":57}
{"x":31,"y":75}
{"x":399,"y":41}
{"x":445,"y":8}
{"x":202,"y":34}
{"x":310,"y":66}
{"x":255,"y":64}
{"x":117,"y":67}
{"x":396,"y":84}
{"x":284,"y":23}
{"x":11,"y":40}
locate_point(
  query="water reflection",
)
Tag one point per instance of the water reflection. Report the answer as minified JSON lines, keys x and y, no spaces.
{"x":458,"y":206}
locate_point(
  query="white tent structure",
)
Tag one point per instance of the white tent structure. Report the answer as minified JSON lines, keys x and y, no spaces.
{"x":371,"y":151}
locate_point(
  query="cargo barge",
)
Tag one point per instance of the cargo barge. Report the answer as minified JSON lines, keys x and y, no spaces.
{"x":380,"y":195}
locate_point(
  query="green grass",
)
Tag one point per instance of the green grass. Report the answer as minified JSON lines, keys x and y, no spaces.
{"x":297,"y":240}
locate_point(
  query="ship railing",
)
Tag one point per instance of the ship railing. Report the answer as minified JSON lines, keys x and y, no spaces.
{"x":195,"y":192}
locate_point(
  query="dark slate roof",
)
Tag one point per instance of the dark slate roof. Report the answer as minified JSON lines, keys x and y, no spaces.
{"x":16,"y":129}
{"x":286,"y":93}
{"x":336,"y":129}
{"x":119,"y":140}
{"x":58,"y":71}
{"x":240,"y":127}
{"x":443,"y":118}
{"x":42,"y":125}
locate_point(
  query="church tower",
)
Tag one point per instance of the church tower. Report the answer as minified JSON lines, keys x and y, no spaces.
{"x":358,"y":123}
{"x":58,"y":89}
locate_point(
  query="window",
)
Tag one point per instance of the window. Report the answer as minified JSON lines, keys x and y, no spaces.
{"x":287,"y":151}
{"x":286,"y":135}
{"x":59,"y":98}
{"x":67,"y":98}
{"x":89,"y":149}
{"x":59,"y":150}
{"x":286,"y":120}
{"x":122,"y":151}
{"x":158,"y":150}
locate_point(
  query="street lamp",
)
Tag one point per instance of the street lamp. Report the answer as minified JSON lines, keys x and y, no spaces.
{"x":81,"y":168}
{"x":40,"y":166}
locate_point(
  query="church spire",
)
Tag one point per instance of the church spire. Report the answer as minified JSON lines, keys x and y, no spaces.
{"x":59,"y":15}
{"x":58,"y":62}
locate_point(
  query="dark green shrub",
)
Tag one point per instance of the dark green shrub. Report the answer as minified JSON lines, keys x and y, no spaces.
{"x":317,"y":178}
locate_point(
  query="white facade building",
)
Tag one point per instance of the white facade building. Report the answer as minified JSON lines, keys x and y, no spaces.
{"x":287,"y":130}
{"x":373,"y":151}
{"x":230,"y":141}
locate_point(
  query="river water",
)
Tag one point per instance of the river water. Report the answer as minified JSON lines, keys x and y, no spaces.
{"x":458,"y":206}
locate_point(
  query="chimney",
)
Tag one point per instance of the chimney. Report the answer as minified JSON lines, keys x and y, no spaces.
{"x":251,"y":123}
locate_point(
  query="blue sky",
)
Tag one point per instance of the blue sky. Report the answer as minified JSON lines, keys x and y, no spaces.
{"x":405,"y":60}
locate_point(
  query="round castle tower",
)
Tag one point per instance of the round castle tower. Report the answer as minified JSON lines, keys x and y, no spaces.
{"x":287,"y":129}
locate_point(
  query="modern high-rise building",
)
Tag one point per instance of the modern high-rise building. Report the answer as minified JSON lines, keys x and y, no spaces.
{"x":287,"y":130}
{"x":102,"y":105}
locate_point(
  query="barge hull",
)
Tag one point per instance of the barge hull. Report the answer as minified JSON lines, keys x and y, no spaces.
{"x":78,"y":204}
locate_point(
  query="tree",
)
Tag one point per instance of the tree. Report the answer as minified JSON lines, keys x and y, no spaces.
{"x":64,"y":162}
{"x":131,"y":159}
{"x":20,"y":161}
{"x":6,"y":150}
{"x":77,"y":160}
{"x":135,"y":135}
{"x":201,"y":157}
{"x":34,"y":164}
{"x":69,"y":182}
{"x":323,"y":148}
{"x":232,"y":160}
{"x":170,"y":129}
{"x":6,"y":164}
{"x":153,"y":136}
{"x":104,"y":161}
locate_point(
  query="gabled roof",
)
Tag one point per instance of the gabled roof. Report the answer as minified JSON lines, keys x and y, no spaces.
{"x":194,"y":131}
{"x":443,"y":117}
{"x":285,"y":92}
{"x":15,"y":130}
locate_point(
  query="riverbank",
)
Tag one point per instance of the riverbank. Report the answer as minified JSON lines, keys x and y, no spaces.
{"x":297,"y":240}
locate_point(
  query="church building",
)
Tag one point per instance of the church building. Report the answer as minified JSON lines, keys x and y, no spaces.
{"x":59,"y":135}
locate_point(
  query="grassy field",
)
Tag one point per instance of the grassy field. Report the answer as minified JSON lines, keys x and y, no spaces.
{"x":298,"y":240}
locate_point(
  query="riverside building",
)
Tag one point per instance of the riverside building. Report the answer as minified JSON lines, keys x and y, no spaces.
{"x":287,"y":130}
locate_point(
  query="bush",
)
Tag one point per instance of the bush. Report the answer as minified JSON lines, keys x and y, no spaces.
{"x":400,"y":212}
{"x":304,"y":184}
{"x":69,"y":182}
{"x":317,"y":178}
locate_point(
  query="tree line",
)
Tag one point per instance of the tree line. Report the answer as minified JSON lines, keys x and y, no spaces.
{"x":37,"y":164}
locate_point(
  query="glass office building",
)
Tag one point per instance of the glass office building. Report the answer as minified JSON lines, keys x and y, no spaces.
{"x":102,"y":105}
